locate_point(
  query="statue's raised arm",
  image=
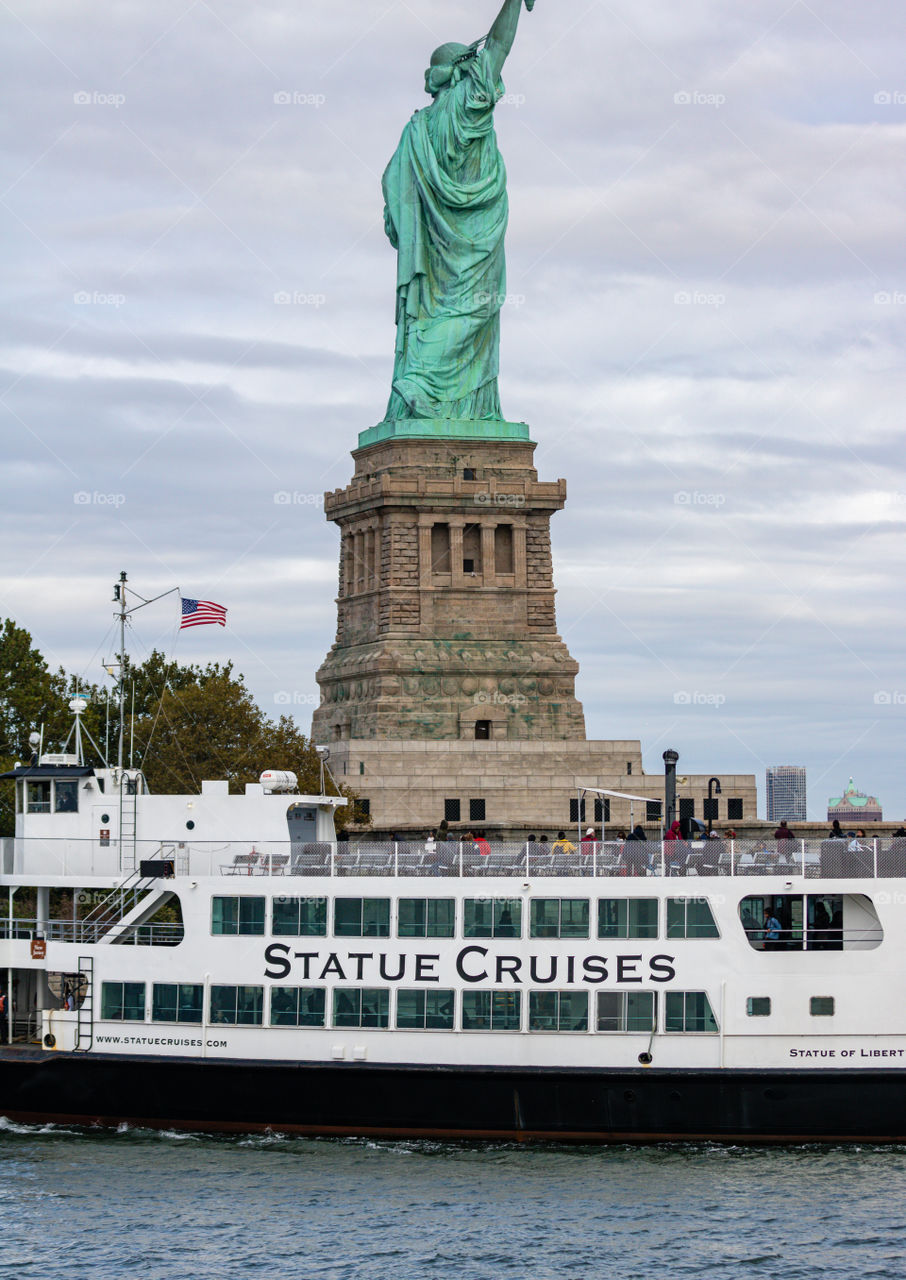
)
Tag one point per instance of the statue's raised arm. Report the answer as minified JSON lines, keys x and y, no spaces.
{"x":503,"y":33}
{"x":445,"y":212}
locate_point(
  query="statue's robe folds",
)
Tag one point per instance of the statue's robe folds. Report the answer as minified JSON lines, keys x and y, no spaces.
{"x":446,"y":214}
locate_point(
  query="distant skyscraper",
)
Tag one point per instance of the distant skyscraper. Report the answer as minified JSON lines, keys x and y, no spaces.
{"x":785,"y":788}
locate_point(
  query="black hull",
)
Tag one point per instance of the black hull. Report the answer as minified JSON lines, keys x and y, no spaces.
{"x":508,"y":1104}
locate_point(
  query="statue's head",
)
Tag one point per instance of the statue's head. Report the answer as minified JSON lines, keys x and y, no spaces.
{"x":443,"y":60}
{"x":447,"y":54}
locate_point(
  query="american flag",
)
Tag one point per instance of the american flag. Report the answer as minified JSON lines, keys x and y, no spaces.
{"x":201,"y":613}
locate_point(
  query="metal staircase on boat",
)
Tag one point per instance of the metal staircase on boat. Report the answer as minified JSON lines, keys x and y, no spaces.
{"x":131,"y":903}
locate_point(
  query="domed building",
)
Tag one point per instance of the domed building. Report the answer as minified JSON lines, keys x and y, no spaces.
{"x":854,"y":808}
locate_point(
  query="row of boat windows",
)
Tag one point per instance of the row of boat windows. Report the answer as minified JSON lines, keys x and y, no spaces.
{"x":415,"y":1010}
{"x":818,"y":1006}
{"x":481,"y":917}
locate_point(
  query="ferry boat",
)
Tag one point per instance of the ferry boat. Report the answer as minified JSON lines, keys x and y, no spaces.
{"x":596,"y":992}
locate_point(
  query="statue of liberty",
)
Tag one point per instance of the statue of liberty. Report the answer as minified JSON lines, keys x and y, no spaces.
{"x":446,"y":215}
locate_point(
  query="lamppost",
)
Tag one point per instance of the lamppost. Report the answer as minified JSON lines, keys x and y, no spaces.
{"x":712,"y":782}
{"x":670,"y":759}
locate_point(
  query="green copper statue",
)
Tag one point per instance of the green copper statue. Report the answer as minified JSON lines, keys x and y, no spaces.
{"x":446,"y":214}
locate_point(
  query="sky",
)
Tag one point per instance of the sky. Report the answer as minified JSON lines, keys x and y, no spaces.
{"x":704,"y":327}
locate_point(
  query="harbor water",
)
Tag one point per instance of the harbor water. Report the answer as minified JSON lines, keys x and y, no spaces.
{"x":92,"y":1203}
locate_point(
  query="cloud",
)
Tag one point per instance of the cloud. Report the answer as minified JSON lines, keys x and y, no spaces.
{"x":705,"y":327}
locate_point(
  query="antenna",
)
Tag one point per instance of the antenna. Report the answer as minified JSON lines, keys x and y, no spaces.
{"x":119,"y":597}
{"x":77,"y":706}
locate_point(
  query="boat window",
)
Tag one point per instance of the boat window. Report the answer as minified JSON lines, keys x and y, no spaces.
{"x":425,"y":1010}
{"x":690,"y":918}
{"x":559,"y":918}
{"x":558,"y":1011}
{"x":821,"y":1006}
{"x":361,"y":1007}
{"x":811,"y":922}
{"x":627,"y":917}
{"x":177,"y":1002}
{"x":38,"y":797}
{"x":240,"y":1006}
{"x":123,"y":1001}
{"x":297,"y":1006}
{"x":491,"y":1010}
{"x":627,"y":1011}
{"x":361,"y":918}
{"x":300,"y":917}
{"x":758,"y":1007}
{"x":688,"y":1011}
{"x":492,"y":918}
{"x":237,"y":915}
{"x":426,"y":918}
{"x":66,"y":796}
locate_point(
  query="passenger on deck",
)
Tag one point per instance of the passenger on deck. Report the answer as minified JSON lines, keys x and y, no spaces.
{"x":818,"y":934}
{"x":712,"y":854}
{"x":675,"y":832}
{"x":783,"y":832}
{"x":588,"y":838}
{"x":771,"y":931}
{"x":836,"y":831}
{"x":636,"y":856}
{"x":562,"y":845}
{"x":750,"y":924}
{"x":3,"y":1017}
{"x":432,"y":857}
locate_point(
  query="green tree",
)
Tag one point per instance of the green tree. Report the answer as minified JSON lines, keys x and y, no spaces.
{"x":29,"y":691}
{"x":197,"y":722}
{"x":190,"y":723}
{"x":31,"y":696}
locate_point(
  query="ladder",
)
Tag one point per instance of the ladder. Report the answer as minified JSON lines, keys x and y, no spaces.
{"x":128,"y":805}
{"x":85,"y":1025}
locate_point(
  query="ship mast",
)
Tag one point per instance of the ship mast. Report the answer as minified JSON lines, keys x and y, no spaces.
{"x":119,"y":596}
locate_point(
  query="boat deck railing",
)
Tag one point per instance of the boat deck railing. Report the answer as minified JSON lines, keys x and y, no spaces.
{"x":873,"y":858}
{"x":85,"y":931}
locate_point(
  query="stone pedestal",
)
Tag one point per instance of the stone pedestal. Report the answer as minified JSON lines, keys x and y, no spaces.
{"x":446,"y":619}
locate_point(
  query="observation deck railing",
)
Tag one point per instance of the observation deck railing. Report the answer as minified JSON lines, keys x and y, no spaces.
{"x":873,"y":858}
